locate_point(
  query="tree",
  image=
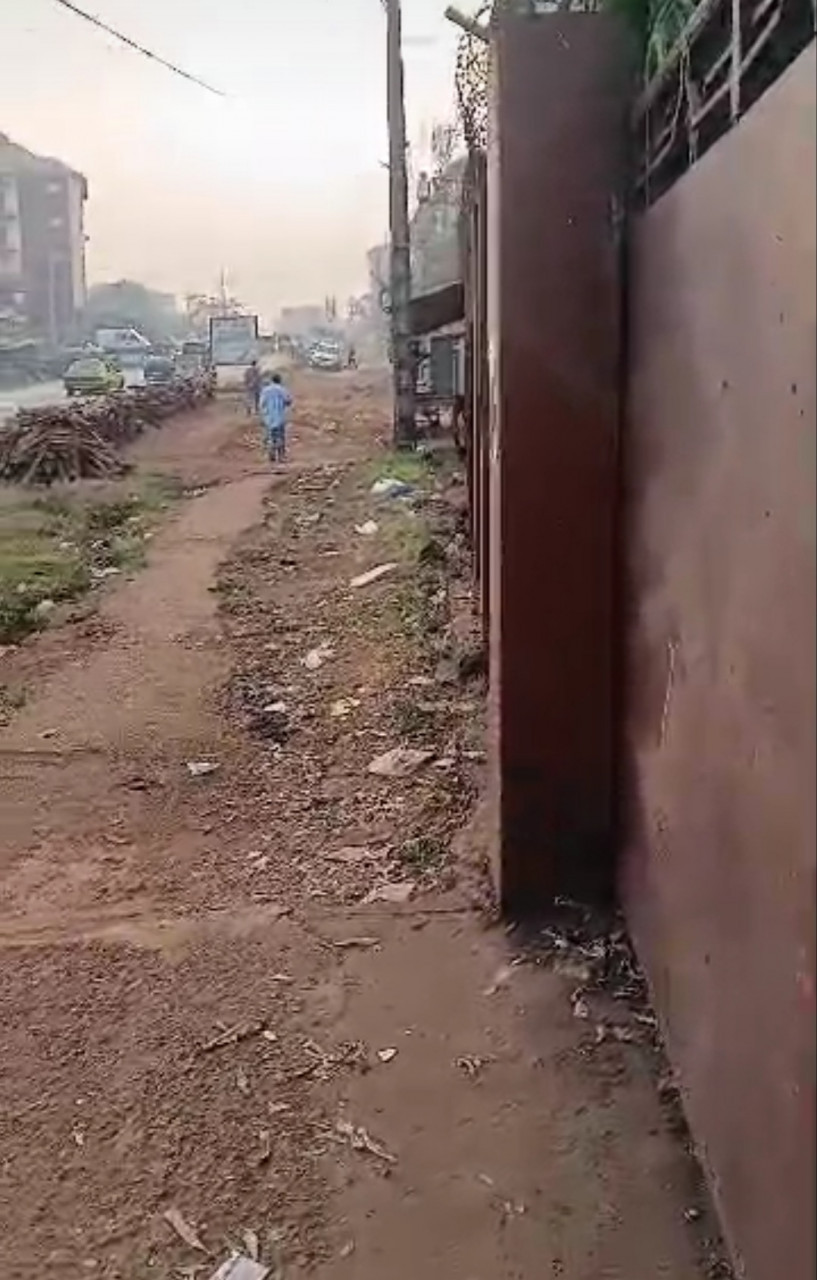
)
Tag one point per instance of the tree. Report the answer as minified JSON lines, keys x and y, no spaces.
{"x":200,"y":308}
{"x":127,"y":304}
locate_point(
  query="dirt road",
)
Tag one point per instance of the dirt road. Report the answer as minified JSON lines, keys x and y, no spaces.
{"x":259,"y":1005}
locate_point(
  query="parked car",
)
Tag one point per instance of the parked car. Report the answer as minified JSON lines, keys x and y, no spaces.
{"x":160,"y":371}
{"x":326,"y":355}
{"x":93,"y":376}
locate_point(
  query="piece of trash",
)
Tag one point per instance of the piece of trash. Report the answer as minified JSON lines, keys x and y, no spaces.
{"x":471,"y":1065}
{"x":400,"y":762}
{"x":260,"y":861}
{"x":343,"y":707}
{"x":184,"y":1230}
{"x":387,"y":1055}
{"x":347,"y":1249}
{"x":394,"y":893}
{"x":390,"y":487}
{"x":360,"y":1140}
{"x":242,"y":1081}
{"x":352,"y":854}
{"x":78,"y":1136}
{"x":232,"y":1035}
{"x":581,"y":1009}
{"x":239,"y":1267}
{"x":43,"y":609}
{"x":368,"y":529}
{"x":501,"y":978}
{"x":265,"y":1152}
{"x":373,"y":575}
{"x":201,"y":768}
{"x":486,"y":1179}
{"x":318,"y":656}
{"x":251,"y":1244}
{"x":352,"y":944}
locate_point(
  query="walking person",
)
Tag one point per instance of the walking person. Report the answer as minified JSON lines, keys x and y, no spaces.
{"x":252,"y":388}
{"x":274,"y":405}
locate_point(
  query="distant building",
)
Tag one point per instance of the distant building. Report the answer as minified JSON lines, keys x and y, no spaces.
{"x":379,"y":268}
{"x":298,"y":322}
{"x":42,"y":243}
{"x":435,"y":244}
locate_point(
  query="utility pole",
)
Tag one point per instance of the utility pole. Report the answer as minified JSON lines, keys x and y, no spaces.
{"x":400,"y":283}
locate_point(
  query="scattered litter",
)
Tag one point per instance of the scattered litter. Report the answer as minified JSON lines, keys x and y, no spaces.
{"x":202,"y":768}
{"x":352,"y":854}
{"x":395,"y":893}
{"x":360,"y":1140}
{"x":238,"y":1267}
{"x":323,"y":1064}
{"x":43,"y":609}
{"x":486,"y":1179}
{"x":318,"y":656}
{"x":581,"y":1009}
{"x":400,"y":762}
{"x":387,"y":1055}
{"x":373,"y":575}
{"x":606,"y":1030}
{"x":347,"y":1249}
{"x":343,"y":707}
{"x":368,"y":529}
{"x":233,"y":1035}
{"x":353,"y":944}
{"x":251,"y":1244}
{"x":390,"y":487}
{"x":184,"y":1230}
{"x":471,"y":1065}
{"x":265,"y":1152}
{"x":260,"y":861}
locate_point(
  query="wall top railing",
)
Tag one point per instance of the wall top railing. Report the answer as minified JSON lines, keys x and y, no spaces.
{"x":728,"y":55}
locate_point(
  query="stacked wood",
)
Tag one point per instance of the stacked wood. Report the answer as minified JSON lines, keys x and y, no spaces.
{"x":72,"y":441}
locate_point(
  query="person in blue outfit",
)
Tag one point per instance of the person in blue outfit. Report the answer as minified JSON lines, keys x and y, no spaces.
{"x":274,"y":405}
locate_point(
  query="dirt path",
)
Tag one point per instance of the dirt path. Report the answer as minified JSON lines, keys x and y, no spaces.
{"x":213,"y":1003}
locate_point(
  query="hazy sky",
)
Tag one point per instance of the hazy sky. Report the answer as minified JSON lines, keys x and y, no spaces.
{"x":280,"y":183}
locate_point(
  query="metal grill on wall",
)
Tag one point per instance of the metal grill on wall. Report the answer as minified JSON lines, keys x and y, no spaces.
{"x":472,"y":84}
{"x":730,"y":52}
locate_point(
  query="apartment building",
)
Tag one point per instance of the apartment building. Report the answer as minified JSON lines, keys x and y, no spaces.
{"x":42,"y":243}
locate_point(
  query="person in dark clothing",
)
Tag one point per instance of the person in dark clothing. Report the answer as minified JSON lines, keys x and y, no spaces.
{"x":252,"y":387}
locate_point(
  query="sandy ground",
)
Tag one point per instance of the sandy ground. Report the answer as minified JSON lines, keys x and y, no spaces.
{"x":267,"y":1009}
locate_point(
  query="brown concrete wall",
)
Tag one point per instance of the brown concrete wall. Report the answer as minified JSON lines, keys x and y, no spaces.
{"x":719,"y":876}
{"x":559,"y":95}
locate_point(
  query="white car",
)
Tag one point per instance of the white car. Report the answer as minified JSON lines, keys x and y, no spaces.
{"x":326,"y":355}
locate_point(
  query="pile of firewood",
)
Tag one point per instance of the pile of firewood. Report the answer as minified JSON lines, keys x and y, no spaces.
{"x":72,"y":441}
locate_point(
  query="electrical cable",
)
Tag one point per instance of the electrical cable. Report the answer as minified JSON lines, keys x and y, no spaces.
{"x":132,"y":44}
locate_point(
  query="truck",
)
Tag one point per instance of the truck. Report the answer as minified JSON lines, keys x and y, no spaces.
{"x":128,"y":345}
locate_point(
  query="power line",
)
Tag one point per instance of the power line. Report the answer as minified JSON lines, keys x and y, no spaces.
{"x":132,"y":44}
